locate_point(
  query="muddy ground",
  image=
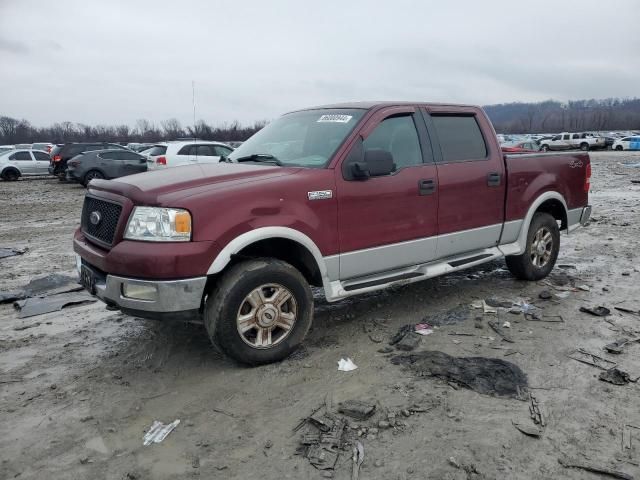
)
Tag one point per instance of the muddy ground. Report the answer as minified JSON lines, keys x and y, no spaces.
{"x":79,"y":390}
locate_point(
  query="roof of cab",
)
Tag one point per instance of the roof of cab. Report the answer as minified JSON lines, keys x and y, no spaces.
{"x":371,"y":105}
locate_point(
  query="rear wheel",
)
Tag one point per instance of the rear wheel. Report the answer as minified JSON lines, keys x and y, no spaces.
{"x":259,"y":311}
{"x":543,"y":245}
{"x":584,"y":147}
{"x":92,"y":174}
{"x":619,"y":148}
{"x":10,"y":175}
{"x":545,"y":148}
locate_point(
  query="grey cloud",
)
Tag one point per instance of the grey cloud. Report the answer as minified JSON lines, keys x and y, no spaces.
{"x":13,"y":46}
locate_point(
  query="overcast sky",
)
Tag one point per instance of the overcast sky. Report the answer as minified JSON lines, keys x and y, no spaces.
{"x":117,"y":61}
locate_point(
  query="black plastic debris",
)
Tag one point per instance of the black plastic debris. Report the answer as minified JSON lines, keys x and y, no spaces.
{"x":615,"y":376}
{"x":489,"y":376}
{"x":496,"y":327}
{"x":356,"y":409}
{"x":12,"y":252}
{"x":597,"y":311}
{"x":47,"y":285}
{"x":405,"y":338}
{"x":497,"y":303}
{"x":451,"y":317}
{"x":545,"y":295}
{"x":41,"y":305}
{"x":618,"y":346}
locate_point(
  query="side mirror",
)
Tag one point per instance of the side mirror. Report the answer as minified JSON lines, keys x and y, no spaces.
{"x":376,"y":163}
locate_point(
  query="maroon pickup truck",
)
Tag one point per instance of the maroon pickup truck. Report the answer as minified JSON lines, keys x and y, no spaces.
{"x":350,"y":198}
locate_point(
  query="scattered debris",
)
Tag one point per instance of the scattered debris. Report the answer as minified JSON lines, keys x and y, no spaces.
{"x":627,"y":310}
{"x":498,"y":329}
{"x":497,"y":303}
{"x":356,"y":409}
{"x":451,"y":317}
{"x":531,"y":430}
{"x":535,"y":411}
{"x":591,"y":359}
{"x":618,"y":346}
{"x":544,"y":318}
{"x":489,"y":376}
{"x":562,"y":295}
{"x":322,"y":448}
{"x":506,"y":324}
{"x":545,"y":295}
{"x":41,"y":305}
{"x":358,"y":458}
{"x":47,"y":285}
{"x":386,"y":349}
{"x":489,"y":309}
{"x":406,"y":338}
{"x":346,"y":365}
{"x":615,"y":376}
{"x":584,"y":288}
{"x":159,"y":431}
{"x":24,"y":327}
{"x":423,"y":329}
{"x":597,"y":311}
{"x":590,"y":467}
{"x":626,"y":438}
{"x":11,"y":252}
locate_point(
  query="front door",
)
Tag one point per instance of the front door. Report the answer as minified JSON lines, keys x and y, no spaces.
{"x":390,"y":221}
{"x":471,"y":181}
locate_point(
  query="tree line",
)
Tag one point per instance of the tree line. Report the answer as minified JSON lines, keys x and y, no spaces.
{"x":13,"y":131}
{"x":574,"y":116}
{"x":542,"y":117}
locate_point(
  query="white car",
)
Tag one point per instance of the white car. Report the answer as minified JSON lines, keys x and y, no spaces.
{"x":568,"y":141}
{"x":16,"y":163}
{"x":173,"y":154}
{"x":627,"y":143}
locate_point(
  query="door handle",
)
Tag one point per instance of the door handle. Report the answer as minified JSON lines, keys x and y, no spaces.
{"x":493,"y":179}
{"x":427,"y":186}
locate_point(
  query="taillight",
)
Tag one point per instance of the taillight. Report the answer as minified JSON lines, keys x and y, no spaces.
{"x":56,"y":158}
{"x":161,"y":160}
{"x":587,"y":178}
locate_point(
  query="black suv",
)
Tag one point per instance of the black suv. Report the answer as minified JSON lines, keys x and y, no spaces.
{"x":60,"y":155}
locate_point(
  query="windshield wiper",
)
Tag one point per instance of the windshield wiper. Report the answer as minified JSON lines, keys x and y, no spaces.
{"x":260,"y":157}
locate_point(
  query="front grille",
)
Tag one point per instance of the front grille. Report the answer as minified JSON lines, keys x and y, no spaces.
{"x":105,"y":228}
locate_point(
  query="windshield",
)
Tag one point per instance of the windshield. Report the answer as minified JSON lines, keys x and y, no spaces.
{"x":303,"y":139}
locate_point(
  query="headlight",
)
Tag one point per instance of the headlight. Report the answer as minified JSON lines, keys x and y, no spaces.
{"x":155,"y":224}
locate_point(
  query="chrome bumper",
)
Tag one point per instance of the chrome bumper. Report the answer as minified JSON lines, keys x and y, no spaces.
{"x":163,"y":296}
{"x":586,"y":215}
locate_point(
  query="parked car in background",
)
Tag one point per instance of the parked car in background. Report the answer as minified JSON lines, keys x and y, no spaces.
{"x":106,"y":164}
{"x":521,"y":147}
{"x":569,"y":141}
{"x":24,"y":162}
{"x":60,"y":155}
{"x":139,"y":147}
{"x":234,"y":144}
{"x":46,"y":147}
{"x":174,"y":154}
{"x":6,"y":148}
{"x":627,"y":143}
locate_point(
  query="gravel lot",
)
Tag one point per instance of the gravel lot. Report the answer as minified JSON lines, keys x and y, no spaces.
{"x":79,"y":389}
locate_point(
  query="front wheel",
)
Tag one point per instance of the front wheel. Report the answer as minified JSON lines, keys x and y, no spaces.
{"x":545,"y":148}
{"x":584,"y":147}
{"x":543,"y":245}
{"x":619,"y":148}
{"x":259,"y":311}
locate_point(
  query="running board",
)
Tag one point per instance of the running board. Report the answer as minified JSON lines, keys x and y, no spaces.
{"x":347,"y":288}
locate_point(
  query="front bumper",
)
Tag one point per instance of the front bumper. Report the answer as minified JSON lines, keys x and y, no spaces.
{"x":180,"y":299}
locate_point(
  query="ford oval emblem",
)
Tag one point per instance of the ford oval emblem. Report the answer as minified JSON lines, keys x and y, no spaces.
{"x":95,"y":217}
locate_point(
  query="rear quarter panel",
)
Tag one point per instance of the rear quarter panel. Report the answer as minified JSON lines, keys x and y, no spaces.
{"x":529,"y":176}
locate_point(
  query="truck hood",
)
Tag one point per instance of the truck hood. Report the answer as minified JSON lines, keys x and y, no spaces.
{"x":180,"y":182}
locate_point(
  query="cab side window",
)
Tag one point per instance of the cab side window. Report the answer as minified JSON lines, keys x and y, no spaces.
{"x":397,"y":135}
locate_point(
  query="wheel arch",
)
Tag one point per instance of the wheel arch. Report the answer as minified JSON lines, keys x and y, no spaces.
{"x":551,"y":202}
{"x":283,"y":243}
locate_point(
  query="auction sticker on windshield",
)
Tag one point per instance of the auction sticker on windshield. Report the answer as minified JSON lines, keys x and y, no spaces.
{"x":335,"y":118}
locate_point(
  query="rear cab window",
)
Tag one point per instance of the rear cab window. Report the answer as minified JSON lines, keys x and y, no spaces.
{"x":460,"y":137}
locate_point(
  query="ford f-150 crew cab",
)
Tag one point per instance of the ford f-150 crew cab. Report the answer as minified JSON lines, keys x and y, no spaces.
{"x":350,"y":198}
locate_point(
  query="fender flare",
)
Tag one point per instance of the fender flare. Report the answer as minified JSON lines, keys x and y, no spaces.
{"x":264,"y":233}
{"x":519,"y":246}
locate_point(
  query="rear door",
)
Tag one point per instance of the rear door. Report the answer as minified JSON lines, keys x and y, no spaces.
{"x":388,"y":222}
{"x":204,"y":153}
{"x":471,"y":180}
{"x":129,"y":163}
